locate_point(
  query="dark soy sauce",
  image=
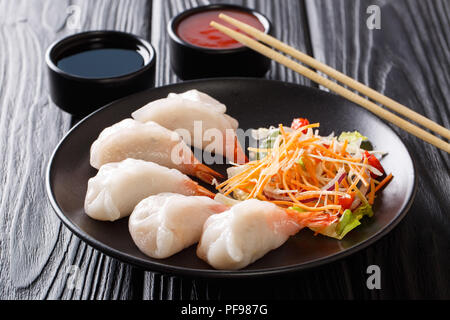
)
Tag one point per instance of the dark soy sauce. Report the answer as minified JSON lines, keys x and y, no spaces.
{"x":102,"y":63}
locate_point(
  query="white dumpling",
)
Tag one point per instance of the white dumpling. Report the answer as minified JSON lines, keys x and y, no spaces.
{"x":181,"y":112}
{"x":197,"y":96}
{"x":150,"y":142}
{"x":165,"y":224}
{"x":236,"y":238}
{"x":118,"y":187}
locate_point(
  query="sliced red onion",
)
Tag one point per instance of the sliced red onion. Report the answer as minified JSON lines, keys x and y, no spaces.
{"x":341,"y":174}
{"x":357,"y":201}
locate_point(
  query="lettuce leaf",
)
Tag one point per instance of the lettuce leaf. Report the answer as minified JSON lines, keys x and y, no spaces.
{"x":355,"y":140}
{"x":348,"y":221}
{"x":352,"y":137}
{"x":364,"y":210}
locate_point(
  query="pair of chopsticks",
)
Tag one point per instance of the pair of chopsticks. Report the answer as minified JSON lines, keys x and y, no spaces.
{"x":346,"y":93}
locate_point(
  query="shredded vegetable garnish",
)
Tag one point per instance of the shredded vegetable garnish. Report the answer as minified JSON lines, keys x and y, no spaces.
{"x":316,"y":179}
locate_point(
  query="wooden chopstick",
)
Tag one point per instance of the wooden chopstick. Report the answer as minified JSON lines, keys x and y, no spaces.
{"x":306,"y":72}
{"x":339,"y":76}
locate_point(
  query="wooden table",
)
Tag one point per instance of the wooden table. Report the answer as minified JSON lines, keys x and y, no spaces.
{"x":408,"y":59}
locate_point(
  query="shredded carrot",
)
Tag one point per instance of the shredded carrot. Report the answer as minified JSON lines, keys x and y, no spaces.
{"x":384,"y":182}
{"x":329,"y":173}
{"x":372,"y":192}
{"x":353,"y":186}
{"x":311,"y":169}
{"x":283,"y":133}
{"x":335,"y":155}
{"x":336,"y":188}
{"x":345,"y":183}
{"x":344,"y":147}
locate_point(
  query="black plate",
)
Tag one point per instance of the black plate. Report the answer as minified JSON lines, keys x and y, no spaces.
{"x":255,"y":103}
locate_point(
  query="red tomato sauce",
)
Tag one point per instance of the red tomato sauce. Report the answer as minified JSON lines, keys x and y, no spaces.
{"x":195,"y":29}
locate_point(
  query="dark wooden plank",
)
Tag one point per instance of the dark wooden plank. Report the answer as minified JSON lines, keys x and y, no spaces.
{"x":407,"y":59}
{"x":38,"y":254}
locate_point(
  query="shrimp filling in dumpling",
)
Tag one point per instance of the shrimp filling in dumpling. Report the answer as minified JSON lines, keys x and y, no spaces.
{"x":199,"y":119}
{"x":118,"y":187}
{"x":150,"y":142}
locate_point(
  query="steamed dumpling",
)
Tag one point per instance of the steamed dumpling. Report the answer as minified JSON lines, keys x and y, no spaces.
{"x":118,"y":187}
{"x":236,"y":238}
{"x":150,"y":142}
{"x":165,"y":224}
{"x":203,"y":98}
{"x":216,"y":131}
